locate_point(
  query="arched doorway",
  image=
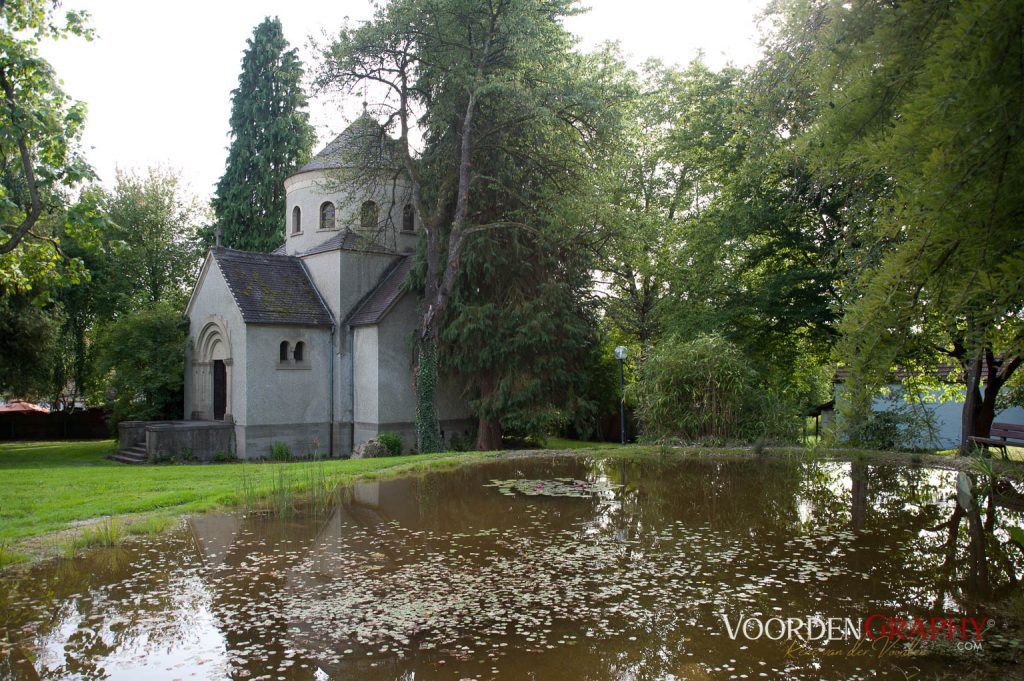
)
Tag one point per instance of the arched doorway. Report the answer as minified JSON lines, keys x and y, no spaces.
{"x":212,"y":372}
{"x":220,"y":389}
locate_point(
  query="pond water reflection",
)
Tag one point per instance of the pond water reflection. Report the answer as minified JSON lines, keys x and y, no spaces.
{"x":444,"y":576}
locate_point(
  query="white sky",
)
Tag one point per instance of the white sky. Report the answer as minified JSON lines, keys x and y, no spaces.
{"x":158,"y":79}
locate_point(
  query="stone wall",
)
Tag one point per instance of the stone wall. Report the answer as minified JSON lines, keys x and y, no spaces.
{"x":131,"y":433}
{"x":303,"y":439}
{"x":291,"y":397}
{"x":189,"y":440}
{"x":216,"y":331}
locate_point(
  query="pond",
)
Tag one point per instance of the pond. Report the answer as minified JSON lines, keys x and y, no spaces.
{"x":550,"y":568}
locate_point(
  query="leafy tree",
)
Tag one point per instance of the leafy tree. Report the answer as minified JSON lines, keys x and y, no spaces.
{"x":270,"y":137}
{"x":465,"y":73}
{"x":60,"y":301}
{"x":40,"y":159}
{"x":928,"y":95}
{"x":43,"y":223}
{"x":520,"y":334}
{"x":660,"y":178}
{"x":764,"y":252}
{"x":143,"y":254}
{"x":151,"y":240}
{"x":26,"y":336}
{"x":140,"y":357}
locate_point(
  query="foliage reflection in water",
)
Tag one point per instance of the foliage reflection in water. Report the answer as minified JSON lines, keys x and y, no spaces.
{"x":627,"y":576}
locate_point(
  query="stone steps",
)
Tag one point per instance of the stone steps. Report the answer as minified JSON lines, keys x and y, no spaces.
{"x":134,"y":455}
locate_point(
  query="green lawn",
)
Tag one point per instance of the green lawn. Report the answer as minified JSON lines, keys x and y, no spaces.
{"x":562,"y":443}
{"x":50,"y":486}
{"x":47,"y":486}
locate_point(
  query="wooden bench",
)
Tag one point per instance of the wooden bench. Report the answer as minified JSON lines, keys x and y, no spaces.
{"x":1000,"y":436}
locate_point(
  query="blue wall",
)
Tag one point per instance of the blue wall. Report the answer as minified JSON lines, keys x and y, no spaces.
{"x":945,"y":415}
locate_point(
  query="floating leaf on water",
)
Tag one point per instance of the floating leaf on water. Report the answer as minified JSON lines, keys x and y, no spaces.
{"x":557,"y":487}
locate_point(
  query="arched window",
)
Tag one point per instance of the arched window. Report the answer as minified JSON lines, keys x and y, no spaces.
{"x":299,"y":347}
{"x":327,"y":215}
{"x":296,"y":220}
{"x":283,"y":354}
{"x":368,"y":216}
{"x":408,"y":219}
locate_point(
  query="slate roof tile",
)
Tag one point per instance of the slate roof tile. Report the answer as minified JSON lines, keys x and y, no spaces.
{"x":380,"y":301}
{"x":346,"y":240}
{"x":363,"y":144}
{"x":271,"y":289}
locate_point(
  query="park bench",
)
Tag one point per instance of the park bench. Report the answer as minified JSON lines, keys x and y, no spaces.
{"x":1000,"y":436}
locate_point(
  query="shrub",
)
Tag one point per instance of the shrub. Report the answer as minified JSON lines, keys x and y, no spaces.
{"x":463,"y":442}
{"x":140,"y":363}
{"x":697,"y":390}
{"x":903,"y":425}
{"x":392,"y":442}
{"x":164,"y":457}
{"x":279,"y":451}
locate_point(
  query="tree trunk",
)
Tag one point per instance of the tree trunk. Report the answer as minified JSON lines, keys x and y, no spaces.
{"x":488,"y":432}
{"x":972,"y":404}
{"x":980,"y":406}
{"x":986,"y":408}
{"x":488,"y":435}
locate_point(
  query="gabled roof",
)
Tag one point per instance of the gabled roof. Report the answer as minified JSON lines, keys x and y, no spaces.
{"x":380,"y":301}
{"x":346,"y":240}
{"x":271,"y":289}
{"x":944,"y":372}
{"x":363,"y":144}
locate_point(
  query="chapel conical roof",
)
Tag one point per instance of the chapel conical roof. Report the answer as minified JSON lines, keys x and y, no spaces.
{"x":363,"y":144}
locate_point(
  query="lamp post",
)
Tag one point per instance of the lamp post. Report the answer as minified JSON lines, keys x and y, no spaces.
{"x":620,"y":354}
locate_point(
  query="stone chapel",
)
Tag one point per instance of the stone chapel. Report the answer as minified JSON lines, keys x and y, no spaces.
{"x":311,"y":344}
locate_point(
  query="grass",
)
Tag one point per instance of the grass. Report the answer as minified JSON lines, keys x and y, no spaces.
{"x":153,"y":524}
{"x":562,"y":443}
{"x":49,"y":486}
{"x":9,"y":556}
{"x":1013,"y":453}
{"x":106,"y":534}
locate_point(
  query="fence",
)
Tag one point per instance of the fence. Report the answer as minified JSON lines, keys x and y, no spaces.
{"x":79,"y":425}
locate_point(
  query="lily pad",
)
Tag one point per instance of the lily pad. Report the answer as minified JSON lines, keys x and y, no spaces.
{"x":558,"y":487}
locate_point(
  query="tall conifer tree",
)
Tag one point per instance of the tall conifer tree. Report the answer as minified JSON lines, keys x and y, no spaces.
{"x":270,"y":137}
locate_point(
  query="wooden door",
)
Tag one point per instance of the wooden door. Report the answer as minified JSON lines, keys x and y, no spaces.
{"x":220,"y":389}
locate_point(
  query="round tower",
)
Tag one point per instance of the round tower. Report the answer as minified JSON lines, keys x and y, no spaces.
{"x":350,"y":188}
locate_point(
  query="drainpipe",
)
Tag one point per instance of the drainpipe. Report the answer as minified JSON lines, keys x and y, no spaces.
{"x":330,"y":364}
{"x":330,"y":391}
{"x":352,"y":386}
{"x":351,"y":333}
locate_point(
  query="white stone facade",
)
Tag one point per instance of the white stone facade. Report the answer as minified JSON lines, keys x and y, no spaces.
{"x":336,"y":290}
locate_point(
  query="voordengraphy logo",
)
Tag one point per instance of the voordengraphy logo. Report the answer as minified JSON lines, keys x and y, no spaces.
{"x":806,"y":629}
{"x":878,"y":626}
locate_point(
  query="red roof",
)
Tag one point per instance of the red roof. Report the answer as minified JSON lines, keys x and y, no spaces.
{"x":20,"y":407}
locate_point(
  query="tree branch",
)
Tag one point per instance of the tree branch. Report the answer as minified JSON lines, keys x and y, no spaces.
{"x":36,"y":210}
